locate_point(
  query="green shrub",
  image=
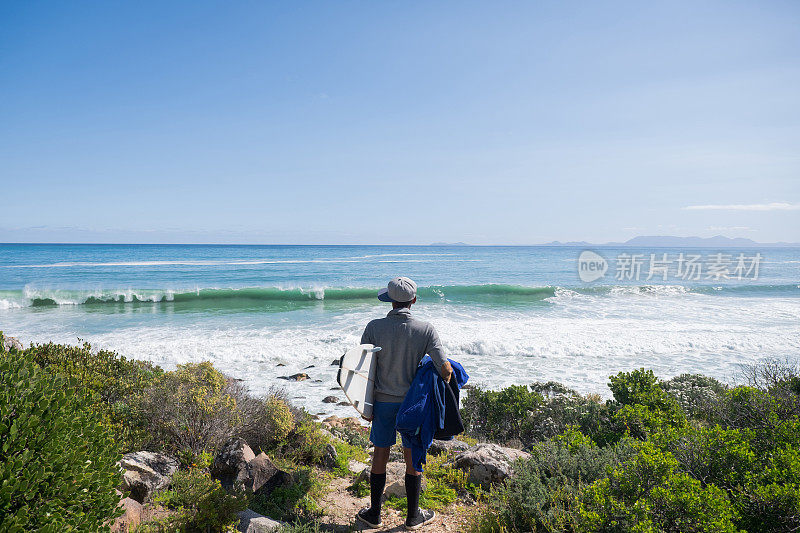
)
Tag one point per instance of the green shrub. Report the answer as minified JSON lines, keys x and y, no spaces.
{"x":535,"y":413}
{"x":346,"y":452}
{"x":57,"y":457}
{"x":306,"y":443}
{"x":296,"y":502}
{"x":267,"y":422}
{"x":543,"y":494}
{"x":646,"y":493}
{"x":118,"y":383}
{"x":193,"y":408}
{"x":644,"y":406}
{"x":499,"y":415}
{"x":696,"y":394}
{"x":200,"y":502}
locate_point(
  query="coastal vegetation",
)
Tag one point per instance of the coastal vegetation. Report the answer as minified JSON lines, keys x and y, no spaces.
{"x":684,"y":454}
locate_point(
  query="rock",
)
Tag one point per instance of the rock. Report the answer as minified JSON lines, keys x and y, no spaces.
{"x":358,"y":466}
{"x":12,"y":343}
{"x":396,"y":480}
{"x":252,"y":522}
{"x":280,"y":364}
{"x":439,"y":447}
{"x":237,"y":467}
{"x":336,"y":362}
{"x":131,"y":517}
{"x":309,"y":366}
{"x":230,"y":464}
{"x":488,"y":463}
{"x":317,"y":381}
{"x":146,"y":472}
{"x":301,"y":376}
{"x":335,"y":388}
{"x":330,"y":456}
{"x":349,"y":422}
{"x":263,"y":476}
{"x":343,"y":403}
{"x":330,"y":399}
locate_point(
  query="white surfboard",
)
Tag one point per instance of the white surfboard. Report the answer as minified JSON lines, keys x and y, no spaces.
{"x":357,"y":377}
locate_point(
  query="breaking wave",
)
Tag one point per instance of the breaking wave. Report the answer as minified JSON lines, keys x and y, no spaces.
{"x":489,"y":294}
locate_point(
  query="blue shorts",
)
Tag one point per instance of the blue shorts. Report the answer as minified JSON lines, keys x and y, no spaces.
{"x":384,"y":418}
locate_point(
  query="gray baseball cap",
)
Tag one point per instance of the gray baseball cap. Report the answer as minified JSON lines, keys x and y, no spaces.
{"x":400,"y":290}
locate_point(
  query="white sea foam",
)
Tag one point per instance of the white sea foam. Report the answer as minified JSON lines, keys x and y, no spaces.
{"x":579,"y":340}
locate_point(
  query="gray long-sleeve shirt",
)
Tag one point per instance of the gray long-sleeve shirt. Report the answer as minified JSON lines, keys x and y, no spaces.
{"x":404,"y":341}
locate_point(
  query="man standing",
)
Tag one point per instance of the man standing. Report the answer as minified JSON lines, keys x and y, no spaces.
{"x":404,"y":341}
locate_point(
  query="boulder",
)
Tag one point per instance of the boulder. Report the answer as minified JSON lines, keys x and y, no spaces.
{"x":10,"y":343}
{"x":330,"y":456}
{"x":131,"y":517}
{"x":300,"y":376}
{"x":488,"y":463}
{"x":230,"y":464}
{"x":252,"y":522}
{"x":263,"y":476}
{"x":237,"y":467}
{"x":439,"y":447}
{"x":146,"y":472}
{"x":330,"y":399}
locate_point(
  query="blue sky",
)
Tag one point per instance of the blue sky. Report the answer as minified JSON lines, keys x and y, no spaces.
{"x":398,"y":122}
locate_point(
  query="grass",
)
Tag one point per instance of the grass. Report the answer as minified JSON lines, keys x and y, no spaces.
{"x":298,"y":501}
{"x":444,"y":486}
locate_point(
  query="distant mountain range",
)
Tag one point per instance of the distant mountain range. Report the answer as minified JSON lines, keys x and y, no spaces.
{"x":667,"y":241}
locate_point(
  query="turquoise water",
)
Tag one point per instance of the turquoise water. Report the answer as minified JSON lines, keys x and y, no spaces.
{"x":509,"y":314}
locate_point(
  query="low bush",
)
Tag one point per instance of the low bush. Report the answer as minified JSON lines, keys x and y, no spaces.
{"x":647,"y":493}
{"x":543,"y":494}
{"x":296,"y":502}
{"x":535,"y":413}
{"x":687,"y":454}
{"x":696,"y":394}
{"x":198,"y":503}
{"x":192,"y":408}
{"x":119,"y":384}
{"x":57,"y":453}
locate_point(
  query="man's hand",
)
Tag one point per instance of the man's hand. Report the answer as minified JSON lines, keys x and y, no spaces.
{"x":367,"y":418}
{"x":446,"y":371}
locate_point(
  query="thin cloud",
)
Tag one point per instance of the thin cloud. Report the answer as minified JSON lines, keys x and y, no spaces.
{"x":774,"y":206}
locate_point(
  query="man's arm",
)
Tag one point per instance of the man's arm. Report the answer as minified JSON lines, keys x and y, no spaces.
{"x":366,"y":337}
{"x":434,"y":349}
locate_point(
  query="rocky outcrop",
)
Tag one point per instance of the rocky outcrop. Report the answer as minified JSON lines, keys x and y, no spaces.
{"x":334,"y":421}
{"x":252,"y":522}
{"x":330,"y":399}
{"x":330,"y":456}
{"x":146,"y":472}
{"x":439,"y":447}
{"x":230,"y":464}
{"x":263,"y":476}
{"x":237,"y":468}
{"x":488,"y":463}
{"x":131,"y":517}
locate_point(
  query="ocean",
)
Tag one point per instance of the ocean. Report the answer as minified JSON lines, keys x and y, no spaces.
{"x":510,"y":315}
